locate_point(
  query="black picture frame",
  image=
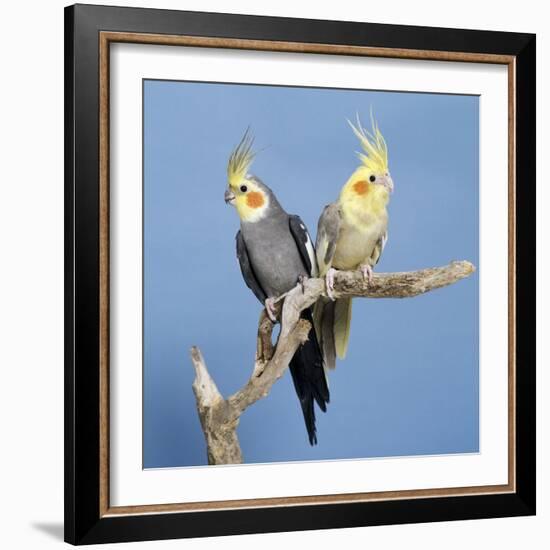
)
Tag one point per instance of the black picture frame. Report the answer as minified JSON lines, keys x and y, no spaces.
{"x":84,"y":524}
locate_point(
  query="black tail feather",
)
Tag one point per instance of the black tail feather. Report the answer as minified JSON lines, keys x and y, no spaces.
{"x":308,"y":375}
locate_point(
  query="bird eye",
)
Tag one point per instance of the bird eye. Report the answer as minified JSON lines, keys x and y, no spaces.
{"x":244,"y":188}
{"x":372,"y":179}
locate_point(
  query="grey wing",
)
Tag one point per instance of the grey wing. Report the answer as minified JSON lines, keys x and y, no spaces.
{"x":328,"y":230}
{"x":303,"y":242}
{"x":379,"y":248}
{"x":247,"y":270}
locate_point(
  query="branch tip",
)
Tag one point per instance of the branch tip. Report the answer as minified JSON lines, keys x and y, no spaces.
{"x":205,"y":388}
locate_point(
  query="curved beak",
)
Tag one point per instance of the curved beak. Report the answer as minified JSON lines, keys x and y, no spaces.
{"x":229,"y":196}
{"x":387,"y":182}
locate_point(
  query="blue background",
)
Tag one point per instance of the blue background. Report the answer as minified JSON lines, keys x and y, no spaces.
{"x":409,"y":384}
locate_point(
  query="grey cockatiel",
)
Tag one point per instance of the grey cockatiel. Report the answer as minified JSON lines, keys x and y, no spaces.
{"x":275,"y":252}
{"x":351,"y":234}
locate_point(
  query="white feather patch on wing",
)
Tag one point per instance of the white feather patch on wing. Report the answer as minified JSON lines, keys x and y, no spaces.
{"x":322,"y":246}
{"x":311,"y":254}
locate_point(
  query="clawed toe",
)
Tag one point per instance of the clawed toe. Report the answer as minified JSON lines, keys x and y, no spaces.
{"x":366,"y":270}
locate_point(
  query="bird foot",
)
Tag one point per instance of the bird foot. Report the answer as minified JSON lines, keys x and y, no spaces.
{"x":270,"y":309}
{"x":329,"y":283}
{"x":366,"y":270}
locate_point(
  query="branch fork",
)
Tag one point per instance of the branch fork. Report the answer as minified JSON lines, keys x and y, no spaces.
{"x":220,"y":417}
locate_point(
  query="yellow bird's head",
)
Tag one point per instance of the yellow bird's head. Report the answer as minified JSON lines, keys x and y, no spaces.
{"x":371,"y":183}
{"x":245,"y":192}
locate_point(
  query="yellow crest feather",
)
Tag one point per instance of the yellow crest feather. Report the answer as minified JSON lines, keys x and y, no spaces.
{"x":374,"y":145}
{"x":240,"y":159}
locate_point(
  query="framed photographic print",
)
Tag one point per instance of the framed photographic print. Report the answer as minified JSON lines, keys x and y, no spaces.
{"x":300,"y":284}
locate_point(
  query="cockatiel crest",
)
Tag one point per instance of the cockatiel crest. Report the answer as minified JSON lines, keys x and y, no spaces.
{"x":245,"y":191}
{"x":240,"y":160}
{"x":374,"y":145}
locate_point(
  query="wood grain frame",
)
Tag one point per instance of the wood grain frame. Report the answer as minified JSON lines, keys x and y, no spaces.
{"x":122,"y":522}
{"x":105,"y":40}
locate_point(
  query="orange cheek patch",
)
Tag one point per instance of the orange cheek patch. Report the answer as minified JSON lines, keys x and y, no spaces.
{"x":255,"y":199}
{"x":361,"y":187}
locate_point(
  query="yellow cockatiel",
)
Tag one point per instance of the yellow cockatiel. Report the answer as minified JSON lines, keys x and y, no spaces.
{"x":351,"y":234}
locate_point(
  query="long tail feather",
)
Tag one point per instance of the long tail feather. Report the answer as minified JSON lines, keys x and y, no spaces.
{"x":308,"y":375}
{"x":323,"y":315}
{"x":342,"y":321}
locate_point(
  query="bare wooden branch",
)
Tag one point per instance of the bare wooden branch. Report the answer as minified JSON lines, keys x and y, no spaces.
{"x":264,"y":350}
{"x":222,"y":443}
{"x":219,"y":417}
